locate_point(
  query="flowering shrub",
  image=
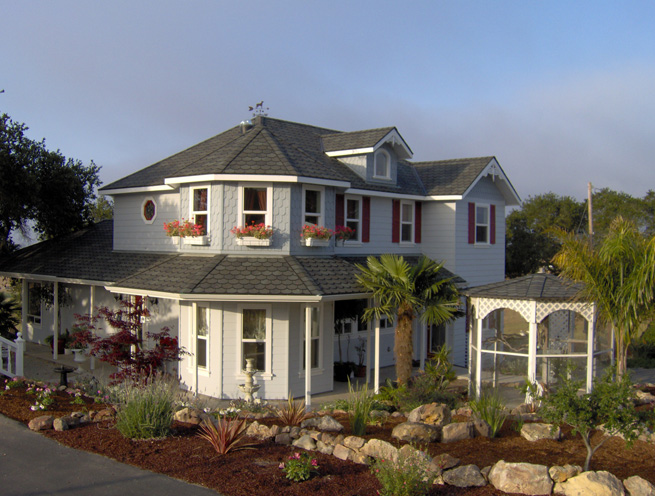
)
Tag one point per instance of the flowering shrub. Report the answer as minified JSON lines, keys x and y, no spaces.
{"x":311,"y":231}
{"x":344,"y":233}
{"x":43,"y":397}
{"x":259,"y":231}
{"x":300,"y":467}
{"x":408,"y":476}
{"x":183,"y":228}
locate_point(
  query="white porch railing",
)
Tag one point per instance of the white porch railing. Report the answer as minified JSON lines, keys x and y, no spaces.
{"x":11,"y":356}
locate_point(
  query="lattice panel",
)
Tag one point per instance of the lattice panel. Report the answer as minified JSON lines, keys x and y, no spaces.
{"x":484,"y":306}
{"x":546,"y":308}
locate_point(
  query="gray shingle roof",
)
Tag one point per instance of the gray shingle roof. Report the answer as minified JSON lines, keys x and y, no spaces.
{"x":274,"y":146}
{"x":86,"y":255}
{"x":450,"y":177}
{"x":530,"y":287}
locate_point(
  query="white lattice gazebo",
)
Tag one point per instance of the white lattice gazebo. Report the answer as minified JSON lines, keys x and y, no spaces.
{"x":533,"y":328}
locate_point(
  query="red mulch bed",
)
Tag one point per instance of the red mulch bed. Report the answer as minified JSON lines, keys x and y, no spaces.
{"x":185,"y":456}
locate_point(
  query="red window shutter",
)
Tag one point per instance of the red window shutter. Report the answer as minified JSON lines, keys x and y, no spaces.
{"x":395,"y":222}
{"x":492,"y":224}
{"x":418,"y":211}
{"x":339,"y":216}
{"x":366,"y":219}
{"x":471,"y":223}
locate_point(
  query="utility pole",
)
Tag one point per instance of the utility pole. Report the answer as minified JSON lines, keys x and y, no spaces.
{"x":591,"y":216}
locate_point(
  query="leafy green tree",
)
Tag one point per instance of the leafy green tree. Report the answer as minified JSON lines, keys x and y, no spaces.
{"x":9,"y":316}
{"x":618,"y":275}
{"x":404,"y":292}
{"x":609,"y":404}
{"x":608,"y":204}
{"x":529,"y":244}
{"x":102,"y":209}
{"x":40,"y":188}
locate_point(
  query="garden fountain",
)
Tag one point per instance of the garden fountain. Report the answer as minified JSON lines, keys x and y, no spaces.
{"x":249,"y":388}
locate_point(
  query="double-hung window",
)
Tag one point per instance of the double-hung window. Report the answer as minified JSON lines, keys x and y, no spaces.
{"x":315,"y":336}
{"x":255,"y":204}
{"x":354,"y":216}
{"x":313,"y":206}
{"x":382,"y":166}
{"x":482,"y":224}
{"x":256,"y":337}
{"x":200,"y":207}
{"x":407,"y":222}
{"x":202,"y":337}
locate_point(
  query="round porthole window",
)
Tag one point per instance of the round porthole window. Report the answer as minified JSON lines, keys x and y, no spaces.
{"x":149,"y":210}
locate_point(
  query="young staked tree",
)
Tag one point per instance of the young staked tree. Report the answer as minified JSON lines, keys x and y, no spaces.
{"x":618,"y":275}
{"x":402,"y":292}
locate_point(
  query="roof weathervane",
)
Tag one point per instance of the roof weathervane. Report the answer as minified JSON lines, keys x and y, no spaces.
{"x":259,"y":109}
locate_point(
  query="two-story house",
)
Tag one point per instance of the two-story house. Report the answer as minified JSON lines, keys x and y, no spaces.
{"x":229,"y":298}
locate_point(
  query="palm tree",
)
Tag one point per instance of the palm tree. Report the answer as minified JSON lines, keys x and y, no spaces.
{"x":403,"y":292}
{"x":618,"y":275}
{"x":9,"y":319}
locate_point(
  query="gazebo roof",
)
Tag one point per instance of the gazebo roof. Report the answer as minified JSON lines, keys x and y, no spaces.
{"x":530,"y":287}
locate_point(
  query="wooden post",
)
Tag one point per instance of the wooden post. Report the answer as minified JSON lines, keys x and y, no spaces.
{"x":308,"y":356}
{"x":376,"y":378}
{"x":55,"y":337}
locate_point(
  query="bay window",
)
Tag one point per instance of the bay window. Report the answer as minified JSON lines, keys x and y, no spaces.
{"x":255,"y":205}
{"x":313,"y":206}
{"x":255,"y":327}
{"x":200,"y":207}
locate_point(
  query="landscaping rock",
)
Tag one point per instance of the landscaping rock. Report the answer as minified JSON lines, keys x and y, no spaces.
{"x":432,"y":414}
{"x":445,"y":461}
{"x":522,"y":409}
{"x":537,"y":432}
{"x":259,"y":431}
{"x":379,"y":414}
{"x":325,"y":423}
{"x":305,"y":442}
{"x":485,"y":472}
{"x":481,"y":428}
{"x":636,"y":486}
{"x":64,"y":423}
{"x":354,"y":442}
{"x":378,"y":449}
{"x":342,"y":452}
{"x":409,"y":452}
{"x":560,"y":474}
{"x":414,"y":432}
{"x":190,"y":416}
{"x":283,"y":438}
{"x":457,"y":432}
{"x":326,"y":449}
{"x":524,"y":478}
{"x":294,"y":432}
{"x":42,"y":423}
{"x":591,"y":484}
{"x":464,"y":476}
{"x":360,"y":458}
{"x":643,"y":398}
{"x":464,"y":411}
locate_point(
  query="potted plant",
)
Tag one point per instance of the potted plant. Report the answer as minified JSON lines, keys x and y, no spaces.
{"x":80,"y":339}
{"x":253,"y":234}
{"x":360,"y":370}
{"x":61,"y":343}
{"x":316,"y":235}
{"x":343,"y":233}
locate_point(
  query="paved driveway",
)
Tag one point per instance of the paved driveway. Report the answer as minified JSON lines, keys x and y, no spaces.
{"x":34,"y":465}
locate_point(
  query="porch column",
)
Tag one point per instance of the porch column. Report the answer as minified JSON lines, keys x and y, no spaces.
{"x":591,"y":340}
{"x":55,"y":338}
{"x":308,"y":356}
{"x":478,"y":361}
{"x":423,"y":336}
{"x":376,"y":380}
{"x":23,"y":313}
{"x":192,"y":333}
{"x":368,"y":353}
{"x":92,"y":297}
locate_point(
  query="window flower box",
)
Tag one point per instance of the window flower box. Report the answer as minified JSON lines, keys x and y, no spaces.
{"x":316,"y":242}
{"x":252,"y":241}
{"x":196,"y":240}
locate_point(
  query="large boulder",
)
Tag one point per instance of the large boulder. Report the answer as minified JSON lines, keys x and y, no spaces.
{"x":324,"y":423}
{"x":342,"y":452}
{"x":457,"y":432}
{"x":536,"y":432}
{"x":562,"y":473}
{"x":591,"y":484}
{"x":524,"y":478}
{"x":464,"y":476}
{"x":190,"y":415}
{"x":378,"y":449}
{"x":42,"y":423}
{"x":636,"y":486}
{"x":433,"y":414}
{"x":414,"y":432}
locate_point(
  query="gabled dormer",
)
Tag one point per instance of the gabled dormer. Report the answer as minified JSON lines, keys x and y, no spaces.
{"x":372,"y":154}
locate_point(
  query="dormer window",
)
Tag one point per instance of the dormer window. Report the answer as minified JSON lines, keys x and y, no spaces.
{"x":382,"y":166}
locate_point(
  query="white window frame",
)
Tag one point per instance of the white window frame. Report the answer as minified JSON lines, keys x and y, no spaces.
{"x":487,"y":224}
{"x":412,"y":223}
{"x":321,"y":214}
{"x":269,"y":203}
{"x":319,"y":339}
{"x":193,"y":213}
{"x":197,"y":336}
{"x":268,"y":348}
{"x":387,"y":157}
{"x":34,"y":319}
{"x":358,"y":233}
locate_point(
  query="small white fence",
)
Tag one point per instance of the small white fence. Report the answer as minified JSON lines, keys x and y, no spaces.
{"x":11,"y":356}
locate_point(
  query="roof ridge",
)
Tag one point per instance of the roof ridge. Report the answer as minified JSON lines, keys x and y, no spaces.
{"x":241,"y":149}
{"x":432,"y":162}
{"x":302,"y":274}
{"x":335,"y":131}
{"x":339,"y":133}
{"x":207,"y":272}
{"x":273,"y":140}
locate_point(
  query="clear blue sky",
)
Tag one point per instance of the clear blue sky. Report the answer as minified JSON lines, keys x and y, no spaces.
{"x":562,"y":93}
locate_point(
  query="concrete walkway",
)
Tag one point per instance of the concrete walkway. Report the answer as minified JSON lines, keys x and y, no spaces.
{"x":34,"y":465}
